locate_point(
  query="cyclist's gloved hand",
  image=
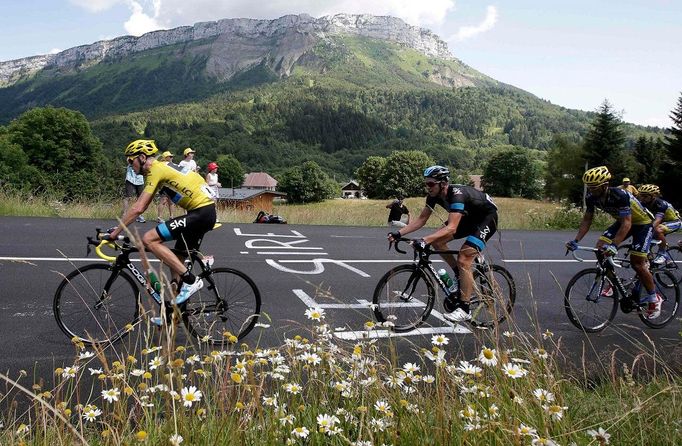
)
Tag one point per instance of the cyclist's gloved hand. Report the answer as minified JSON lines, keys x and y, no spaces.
{"x":420,"y":245}
{"x":395,"y":235}
{"x":572,"y":245}
{"x":610,"y":250}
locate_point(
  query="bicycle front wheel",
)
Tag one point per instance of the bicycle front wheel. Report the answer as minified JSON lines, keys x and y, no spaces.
{"x":669,"y":290}
{"x":494,"y":295}
{"x":95,"y":304}
{"x":228,"y":304}
{"x":591,"y":300}
{"x":403,"y":298}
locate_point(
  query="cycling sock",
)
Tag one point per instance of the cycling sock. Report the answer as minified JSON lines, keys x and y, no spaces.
{"x":188,"y":277}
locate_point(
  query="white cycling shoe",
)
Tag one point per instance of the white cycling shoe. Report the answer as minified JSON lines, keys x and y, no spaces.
{"x":187,"y":290}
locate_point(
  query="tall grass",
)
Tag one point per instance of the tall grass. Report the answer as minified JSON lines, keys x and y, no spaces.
{"x":314,"y":389}
{"x":515,"y":213}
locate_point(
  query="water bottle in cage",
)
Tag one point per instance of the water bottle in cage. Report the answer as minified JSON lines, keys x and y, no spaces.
{"x":451,"y":285}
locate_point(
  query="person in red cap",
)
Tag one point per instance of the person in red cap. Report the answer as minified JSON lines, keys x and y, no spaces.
{"x":212,"y":179}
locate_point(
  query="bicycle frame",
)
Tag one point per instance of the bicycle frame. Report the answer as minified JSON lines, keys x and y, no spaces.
{"x":607,"y":267}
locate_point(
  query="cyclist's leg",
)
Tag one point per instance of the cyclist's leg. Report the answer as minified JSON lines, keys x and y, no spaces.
{"x":472,"y":246}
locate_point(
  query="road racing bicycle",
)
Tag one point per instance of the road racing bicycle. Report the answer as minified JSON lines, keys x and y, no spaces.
{"x":405,"y":295}
{"x":100,"y":303}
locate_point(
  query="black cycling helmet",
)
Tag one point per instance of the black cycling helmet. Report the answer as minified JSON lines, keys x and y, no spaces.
{"x":438,"y":173}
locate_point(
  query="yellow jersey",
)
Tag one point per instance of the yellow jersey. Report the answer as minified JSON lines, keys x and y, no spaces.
{"x":187,"y":190}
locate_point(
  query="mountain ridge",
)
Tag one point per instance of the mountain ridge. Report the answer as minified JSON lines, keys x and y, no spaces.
{"x":298,"y":32}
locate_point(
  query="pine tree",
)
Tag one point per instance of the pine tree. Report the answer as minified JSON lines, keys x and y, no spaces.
{"x":604,"y":143}
{"x":673,"y":151}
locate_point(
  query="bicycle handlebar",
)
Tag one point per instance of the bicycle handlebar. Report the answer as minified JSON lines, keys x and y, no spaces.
{"x":609,"y":259}
{"x":101,"y":240}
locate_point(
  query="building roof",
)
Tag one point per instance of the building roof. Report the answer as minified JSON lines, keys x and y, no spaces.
{"x":259,"y":179}
{"x":351,"y":185}
{"x":240,"y":193}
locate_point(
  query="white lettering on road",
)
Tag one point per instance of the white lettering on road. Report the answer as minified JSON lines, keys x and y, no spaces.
{"x":318,"y":266}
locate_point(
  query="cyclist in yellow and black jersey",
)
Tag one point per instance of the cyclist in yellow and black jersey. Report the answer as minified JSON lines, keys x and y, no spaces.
{"x":666,"y":218}
{"x":187,"y":190}
{"x":632,"y":219}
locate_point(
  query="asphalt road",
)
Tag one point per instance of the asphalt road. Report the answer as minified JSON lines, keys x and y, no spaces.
{"x":296,"y":267}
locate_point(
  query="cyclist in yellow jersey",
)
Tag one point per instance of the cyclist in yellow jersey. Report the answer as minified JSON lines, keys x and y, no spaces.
{"x":632,"y":219}
{"x":187,"y":190}
{"x":666,"y":218}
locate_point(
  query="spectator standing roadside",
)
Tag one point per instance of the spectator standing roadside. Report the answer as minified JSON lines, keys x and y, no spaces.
{"x":188,"y":164}
{"x":134,"y":185}
{"x":164,"y":199}
{"x":212,"y":179}
{"x":397,"y":210}
{"x":629,"y":187}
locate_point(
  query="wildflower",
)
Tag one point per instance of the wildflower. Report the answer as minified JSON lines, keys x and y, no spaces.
{"x":201,"y":413}
{"x":493,"y":411}
{"x":326,"y":423}
{"x":22,"y":429}
{"x":556,"y":412}
{"x":192,"y":359}
{"x":270,"y":400}
{"x":468,"y":369}
{"x":526,"y":430}
{"x":508,"y":334}
{"x":86,"y":355}
{"x":488,"y":356}
{"x":292,"y":388}
{"x":429,"y":379}
{"x":468,"y":412}
{"x":310,"y":358}
{"x":471,"y":426}
{"x":175,"y":439}
{"x":70,"y":372}
{"x":289,"y":419}
{"x":302,"y":431}
{"x":600,"y":435}
{"x":543,"y":395}
{"x":514,"y":371}
{"x":540,"y":441}
{"x":382,"y":406}
{"x":315,"y":314}
{"x":438,"y":358}
{"x":111,"y":395}
{"x":547,"y":334}
{"x":155,"y":363}
{"x":236,"y":377}
{"x":411,"y":367}
{"x":141,"y":436}
{"x":129,"y":327}
{"x":91,"y":413}
{"x":439,"y":340}
{"x":239,"y":406}
{"x":95,"y":371}
{"x":190,"y":395}
{"x":541,"y":353}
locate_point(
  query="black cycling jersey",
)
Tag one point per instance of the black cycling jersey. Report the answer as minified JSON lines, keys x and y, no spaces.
{"x":619,"y":203}
{"x":466,"y":200}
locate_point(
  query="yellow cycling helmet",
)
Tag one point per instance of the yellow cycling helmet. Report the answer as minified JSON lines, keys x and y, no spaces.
{"x":141,"y":146}
{"x":651,"y":189}
{"x":596,"y":176}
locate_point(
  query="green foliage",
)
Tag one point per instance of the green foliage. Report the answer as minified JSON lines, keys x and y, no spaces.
{"x":369,"y":176}
{"x":513,"y":173}
{"x":670,"y":180}
{"x":65,"y":157}
{"x":403,"y":173}
{"x":604,"y":143}
{"x":231,"y":173}
{"x":649,"y":155}
{"x":565,"y":167}
{"x":307,"y":183}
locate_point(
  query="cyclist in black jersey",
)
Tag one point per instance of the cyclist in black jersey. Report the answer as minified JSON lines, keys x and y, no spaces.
{"x":632,"y":219}
{"x":471,"y":214}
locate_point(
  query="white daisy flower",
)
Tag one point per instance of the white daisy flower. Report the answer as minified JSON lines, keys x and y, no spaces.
{"x":137,"y":372}
{"x":289,"y":419}
{"x":315,"y":314}
{"x":555,"y":411}
{"x":514,"y":371}
{"x":91,"y":413}
{"x":600,"y":435}
{"x":300,"y":432}
{"x":468,"y":369}
{"x":488,"y":356}
{"x":155,"y":363}
{"x":111,"y":395}
{"x":382,"y":406}
{"x":175,"y":439}
{"x":439,"y":340}
{"x":95,"y":371}
{"x":543,"y":395}
{"x":190,"y":395}
{"x":526,"y":430}
{"x":410,"y":367}
{"x":86,"y":355}
{"x":293,"y":388}
{"x":70,"y":372}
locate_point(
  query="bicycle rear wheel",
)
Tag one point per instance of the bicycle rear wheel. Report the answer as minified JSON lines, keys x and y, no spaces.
{"x":229,"y":303}
{"x":403,"y":298}
{"x":95,"y":304}
{"x":671,"y":299}
{"x":591,"y":300}
{"x":494,"y":295}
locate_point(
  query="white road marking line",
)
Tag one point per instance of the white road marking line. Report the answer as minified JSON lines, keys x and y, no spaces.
{"x":63,"y":259}
{"x":422,"y":331}
{"x":293,"y":253}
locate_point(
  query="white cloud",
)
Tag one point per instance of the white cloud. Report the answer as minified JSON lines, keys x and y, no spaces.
{"x":140,"y":22}
{"x":487,"y":24}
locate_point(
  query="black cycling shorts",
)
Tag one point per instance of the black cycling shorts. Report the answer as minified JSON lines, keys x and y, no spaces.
{"x":477,"y":232}
{"x":188,"y":229}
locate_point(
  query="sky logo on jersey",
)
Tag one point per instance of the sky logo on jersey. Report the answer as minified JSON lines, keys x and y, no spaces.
{"x":484,"y":233}
{"x":175,"y":224}
{"x":457,"y":191}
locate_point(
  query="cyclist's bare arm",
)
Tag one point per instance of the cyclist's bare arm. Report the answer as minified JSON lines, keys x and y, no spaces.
{"x":133,"y":212}
{"x":585,"y":224}
{"x":446,"y":232}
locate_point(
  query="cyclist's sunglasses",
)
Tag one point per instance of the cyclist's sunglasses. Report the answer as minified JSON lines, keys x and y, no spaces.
{"x":430,"y":184}
{"x":131,"y":159}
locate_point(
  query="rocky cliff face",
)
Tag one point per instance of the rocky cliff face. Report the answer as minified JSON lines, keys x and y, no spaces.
{"x":236,"y":44}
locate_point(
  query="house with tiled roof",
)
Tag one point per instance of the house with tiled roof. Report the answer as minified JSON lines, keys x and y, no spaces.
{"x":259,"y":180}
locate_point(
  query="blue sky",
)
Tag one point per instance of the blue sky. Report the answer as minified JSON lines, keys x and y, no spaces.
{"x":573,"y":53}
